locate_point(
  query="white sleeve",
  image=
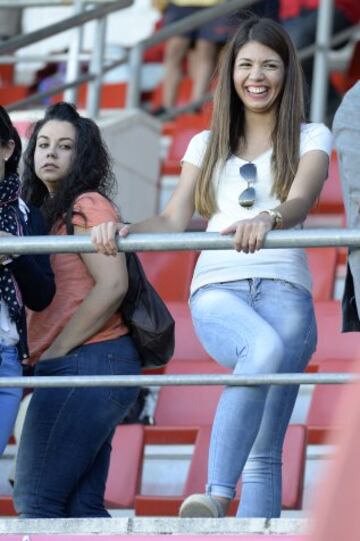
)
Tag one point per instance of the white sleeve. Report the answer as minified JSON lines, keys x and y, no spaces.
{"x":196,"y":149}
{"x":315,"y":136}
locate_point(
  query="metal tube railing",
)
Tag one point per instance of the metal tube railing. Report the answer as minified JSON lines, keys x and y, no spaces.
{"x":67,"y":24}
{"x":320,"y":71}
{"x":96,"y":67}
{"x":180,"y":380}
{"x":73,"y":62}
{"x":179,"y":241}
{"x":31,"y":100}
{"x":45,"y":3}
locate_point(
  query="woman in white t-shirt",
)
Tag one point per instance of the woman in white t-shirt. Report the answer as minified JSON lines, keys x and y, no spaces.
{"x":259,"y":168}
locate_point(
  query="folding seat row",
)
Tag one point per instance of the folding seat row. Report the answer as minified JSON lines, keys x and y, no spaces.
{"x":123,"y":488}
{"x":160,"y":505}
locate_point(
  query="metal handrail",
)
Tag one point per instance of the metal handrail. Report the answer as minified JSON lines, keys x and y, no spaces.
{"x":18,"y":42}
{"x":165,"y":380}
{"x":44,"y":3}
{"x":180,"y":241}
{"x":287,"y":238}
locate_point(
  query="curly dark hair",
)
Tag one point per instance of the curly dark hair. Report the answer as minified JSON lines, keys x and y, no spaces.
{"x":91,"y":170}
{"x":8,"y":132}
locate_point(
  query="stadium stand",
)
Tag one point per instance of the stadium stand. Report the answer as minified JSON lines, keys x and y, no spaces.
{"x":324,"y":402}
{"x":178,"y":423}
{"x":293,"y":475}
{"x":170,"y":273}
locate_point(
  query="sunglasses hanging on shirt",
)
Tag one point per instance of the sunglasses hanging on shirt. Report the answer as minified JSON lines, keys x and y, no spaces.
{"x":247,"y":197}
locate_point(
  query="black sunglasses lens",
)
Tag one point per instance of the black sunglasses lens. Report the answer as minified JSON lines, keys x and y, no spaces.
{"x":248,"y":172}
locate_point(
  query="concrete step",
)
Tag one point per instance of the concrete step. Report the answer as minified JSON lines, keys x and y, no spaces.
{"x":161,"y":526}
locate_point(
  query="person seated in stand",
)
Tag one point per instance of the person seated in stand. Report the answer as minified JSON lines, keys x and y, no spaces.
{"x":259,"y":168}
{"x":301,"y":25}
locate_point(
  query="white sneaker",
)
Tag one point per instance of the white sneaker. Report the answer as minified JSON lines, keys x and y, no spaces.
{"x":200,"y":506}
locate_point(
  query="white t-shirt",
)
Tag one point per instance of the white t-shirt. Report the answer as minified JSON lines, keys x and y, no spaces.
{"x":228,"y":265}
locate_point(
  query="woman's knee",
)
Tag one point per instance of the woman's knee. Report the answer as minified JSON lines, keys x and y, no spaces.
{"x":265,"y":352}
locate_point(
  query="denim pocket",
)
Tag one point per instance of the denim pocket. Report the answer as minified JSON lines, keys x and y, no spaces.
{"x":123,"y":396}
{"x":291,"y":286}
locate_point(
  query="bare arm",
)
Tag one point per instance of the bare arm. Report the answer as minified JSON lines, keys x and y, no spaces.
{"x":174,"y":217}
{"x":309,"y":179}
{"x":102,"y":301}
{"x":308,"y":182}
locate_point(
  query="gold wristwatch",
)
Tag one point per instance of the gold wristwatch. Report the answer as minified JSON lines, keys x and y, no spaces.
{"x":276,"y":215}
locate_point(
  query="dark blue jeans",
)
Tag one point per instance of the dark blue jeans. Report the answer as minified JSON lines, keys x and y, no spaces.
{"x":64,"y":453}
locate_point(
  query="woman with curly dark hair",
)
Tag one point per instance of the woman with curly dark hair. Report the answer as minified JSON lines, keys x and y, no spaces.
{"x":24,"y":281}
{"x":65,"y":447}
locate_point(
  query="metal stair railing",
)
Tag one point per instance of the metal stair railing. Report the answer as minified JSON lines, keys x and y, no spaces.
{"x":180,"y":241}
{"x":97,"y":68}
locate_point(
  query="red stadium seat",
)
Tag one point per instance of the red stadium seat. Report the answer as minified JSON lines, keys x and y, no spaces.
{"x":331,"y":197}
{"x":324,"y":402}
{"x":7,"y":508}
{"x":293,"y":472}
{"x":124,"y":477}
{"x":322,"y":263}
{"x":187,"y":345}
{"x":332,"y":344}
{"x":12,"y":93}
{"x":183,"y":96}
{"x":183,"y":129}
{"x":175,"y":405}
{"x":170,"y":273}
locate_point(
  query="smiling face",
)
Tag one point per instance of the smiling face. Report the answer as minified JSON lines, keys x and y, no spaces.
{"x":54,"y":152}
{"x":258,"y":77}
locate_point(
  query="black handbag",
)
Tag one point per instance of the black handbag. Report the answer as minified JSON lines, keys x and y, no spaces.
{"x":350,"y":316}
{"x":151,"y":325}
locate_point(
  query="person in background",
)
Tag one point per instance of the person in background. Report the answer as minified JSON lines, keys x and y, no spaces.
{"x":346,"y":129}
{"x":300,"y":21}
{"x":337,"y":504}
{"x":65,"y":446}
{"x":257,"y":169}
{"x":205,"y":43}
{"x":24,"y":281}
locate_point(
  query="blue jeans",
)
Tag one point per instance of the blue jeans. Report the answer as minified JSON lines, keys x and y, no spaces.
{"x":65,"y":447}
{"x":10,"y":397}
{"x":253,"y":327}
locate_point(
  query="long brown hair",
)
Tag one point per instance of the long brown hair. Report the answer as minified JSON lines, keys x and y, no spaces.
{"x":227,"y":123}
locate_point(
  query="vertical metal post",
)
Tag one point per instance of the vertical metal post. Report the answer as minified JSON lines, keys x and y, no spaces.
{"x":321,"y":72}
{"x":96,"y":68}
{"x":135,"y":65}
{"x":72,"y":68}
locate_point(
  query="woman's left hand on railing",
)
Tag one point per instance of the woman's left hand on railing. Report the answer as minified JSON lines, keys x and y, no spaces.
{"x":103,"y":236}
{"x":250,"y":234}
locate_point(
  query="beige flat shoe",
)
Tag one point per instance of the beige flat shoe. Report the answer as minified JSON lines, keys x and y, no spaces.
{"x":200,"y":506}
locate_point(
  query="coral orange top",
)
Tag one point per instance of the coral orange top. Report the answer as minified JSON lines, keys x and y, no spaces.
{"x":73,"y":283}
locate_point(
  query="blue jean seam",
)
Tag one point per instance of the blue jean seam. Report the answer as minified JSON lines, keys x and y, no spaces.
{"x":48,"y":443}
{"x":288,"y":388}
